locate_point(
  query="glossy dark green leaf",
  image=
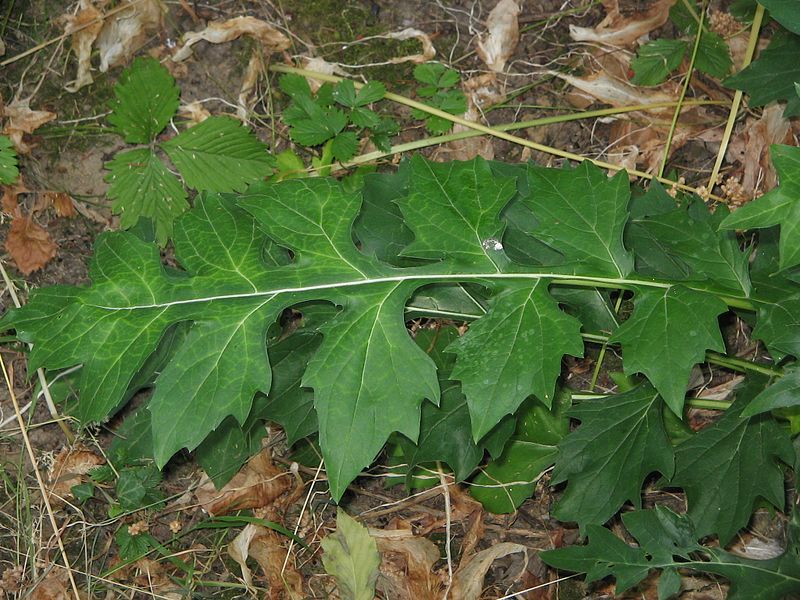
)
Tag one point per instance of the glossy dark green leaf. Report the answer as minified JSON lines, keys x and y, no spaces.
{"x":772,"y":75}
{"x":727,"y":466}
{"x":620,"y":442}
{"x":668,"y":333}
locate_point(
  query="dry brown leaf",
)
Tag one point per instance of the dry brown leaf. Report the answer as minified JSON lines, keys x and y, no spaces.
{"x":55,"y":586}
{"x":750,"y":147}
{"x":617,"y":30}
{"x":68,"y":469}
{"x":10,"y":192}
{"x":62,"y":203}
{"x":406,"y":571}
{"x":29,"y":244}
{"x":615,"y":92}
{"x":219,"y":32}
{"x":126,"y":31}
{"x":497,"y":46}
{"x":85,"y":26}
{"x":257,"y":485}
{"x":428,"y":51}
{"x":194,"y":111}
{"x":468,"y":580}
{"x":269,"y":550}
{"x":151,"y":576}
{"x":247,"y":91}
{"x":22,"y":120}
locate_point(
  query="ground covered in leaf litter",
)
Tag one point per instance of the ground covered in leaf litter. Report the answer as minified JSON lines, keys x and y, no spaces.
{"x":49,"y":237}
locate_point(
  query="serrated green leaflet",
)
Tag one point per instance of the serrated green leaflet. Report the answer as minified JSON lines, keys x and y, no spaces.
{"x":655,"y":60}
{"x":667,"y":334}
{"x":667,"y":542}
{"x":782,"y":394}
{"x":219,"y":154}
{"x":245,"y":259}
{"x":521,"y":340}
{"x":605,"y":461}
{"x":582,"y":215}
{"x":8,"y":161}
{"x":146,"y":99}
{"x":141,"y":186}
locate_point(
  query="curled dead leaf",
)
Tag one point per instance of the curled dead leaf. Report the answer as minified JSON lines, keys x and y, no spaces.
{"x":610,"y":90}
{"x":247,"y":95}
{"x":617,"y":30}
{"x":68,"y":469}
{"x":194,"y":111}
{"x":269,"y":549}
{"x":84,"y":27}
{"x":481,"y":92}
{"x":502,"y":36}
{"x":428,"y":51}
{"x":126,"y":31}
{"x":468,"y":579}
{"x":21,"y":120}
{"x":9,"y":200}
{"x":29,"y":244}
{"x":259,"y":484}
{"x":406,"y":571}
{"x":54,"y":586}
{"x":219,"y":32}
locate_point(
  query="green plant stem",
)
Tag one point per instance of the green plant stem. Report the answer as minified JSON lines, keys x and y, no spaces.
{"x":707,"y":403}
{"x":684,"y":89}
{"x":488,"y":130}
{"x":462,"y":135}
{"x":738,"y":364}
{"x":604,"y":347}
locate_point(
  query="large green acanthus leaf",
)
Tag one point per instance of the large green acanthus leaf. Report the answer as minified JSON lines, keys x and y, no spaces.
{"x":146,"y":99}
{"x":444,"y":224}
{"x":684,"y":244}
{"x":666,"y":335}
{"x":367,"y":358}
{"x":242,"y":262}
{"x":779,"y":206}
{"x":513,"y":352}
{"x":772,"y":75}
{"x":727,"y":466}
{"x":141,"y":186}
{"x":582,"y":214}
{"x":219,"y":155}
{"x":667,"y":541}
{"x":620,"y":442}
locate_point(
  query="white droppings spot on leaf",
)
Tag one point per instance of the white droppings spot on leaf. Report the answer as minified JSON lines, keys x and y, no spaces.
{"x":492,"y":244}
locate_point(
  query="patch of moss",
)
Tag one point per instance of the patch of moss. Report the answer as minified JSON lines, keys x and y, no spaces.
{"x":335,"y":26}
